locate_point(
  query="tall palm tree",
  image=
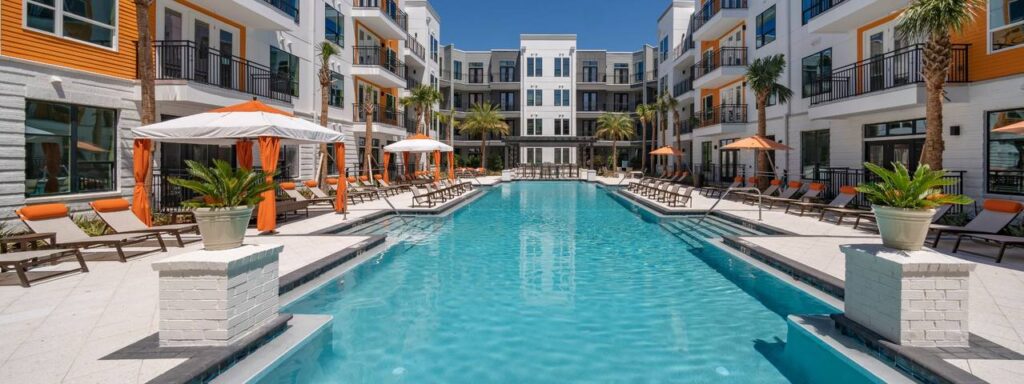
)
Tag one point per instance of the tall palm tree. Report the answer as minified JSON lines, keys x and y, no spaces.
{"x":147,"y":72}
{"x":484,"y":119}
{"x":645,"y":114}
{"x":452,"y":124}
{"x":421,"y":99}
{"x":327,"y":50}
{"x":659,"y":118}
{"x":614,"y":127}
{"x":932,"y":21}
{"x":763,"y":78}
{"x":672,"y":104}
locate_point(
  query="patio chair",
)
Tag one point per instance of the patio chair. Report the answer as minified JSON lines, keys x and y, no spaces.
{"x":332,"y":184}
{"x":422,"y":197}
{"x":396,"y":187}
{"x":752,"y":198}
{"x":670,"y":189}
{"x":674,"y":199}
{"x":788,"y":195}
{"x":22,"y":261}
{"x":995,"y":215}
{"x":846,"y":195}
{"x":290,"y":190}
{"x":712,"y":192}
{"x":1002,"y":241}
{"x":355,"y":186}
{"x":117,"y":214}
{"x":54,"y":218}
{"x":863,"y":214}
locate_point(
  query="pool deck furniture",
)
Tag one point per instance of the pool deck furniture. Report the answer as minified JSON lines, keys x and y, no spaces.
{"x":1002,"y":241}
{"x":422,"y":197}
{"x":786,"y":196}
{"x":55,"y":218}
{"x":846,"y":195}
{"x":863,"y":214}
{"x":22,"y":260}
{"x":291,"y":191}
{"x":754,"y":198}
{"x":712,"y":192}
{"x":117,"y":214}
{"x":683,"y":198}
{"x":995,"y":215}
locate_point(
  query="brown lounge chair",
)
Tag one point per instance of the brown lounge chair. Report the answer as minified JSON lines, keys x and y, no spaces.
{"x":995,"y":215}
{"x":715,"y":191}
{"x":22,"y":261}
{"x":752,"y":198}
{"x":1001,"y":240}
{"x":54,"y":218}
{"x":290,"y":191}
{"x":332,"y":184}
{"x":846,"y":195}
{"x":421,"y":198}
{"x":117,"y":214}
{"x":863,"y":214}
{"x":787,"y":196}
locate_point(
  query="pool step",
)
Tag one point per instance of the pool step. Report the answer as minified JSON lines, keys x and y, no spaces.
{"x":689,"y":229}
{"x":398,"y":229}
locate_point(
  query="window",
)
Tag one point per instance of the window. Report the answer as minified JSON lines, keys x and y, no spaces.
{"x":476,"y":72}
{"x":705,"y":153}
{"x":433,"y":48}
{"x":621,"y":73}
{"x":534,"y":67}
{"x":895,"y":128}
{"x":587,"y":127}
{"x":507,"y":101}
{"x":561,"y":66}
{"x":589,"y":101}
{"x":814,"y":151}
{"x":476,"y":99}
{"x":765,"y":25}
{"x":534,"y":98}
{"x":507,"y":71}
{"x":562,"y":156}
{"x":457,"y":71}
{"x":816,"y":69}
{"x":337,"y":95}
{"x":534,"y":156}
{"x":1005,"y":154}
{"x":561,"y":127}
{"x":93,"y":22}
{"x":663,"y":49}
{"x":530,"y":67}
{"x":334,"y":25}
{"x":638,"y":68}
{"x":1006,"y":23}
{"x":534,"y":127}
{"x":589,"y":74}
{"x":69,"y":149}
{"x":562,"y":97}
{"x":284,"y":68}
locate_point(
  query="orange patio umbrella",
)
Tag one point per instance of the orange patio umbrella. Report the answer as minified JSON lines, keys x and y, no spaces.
{"x":758,"y":143}
{"x":1017,"y":127}
{"x":667,"y":151}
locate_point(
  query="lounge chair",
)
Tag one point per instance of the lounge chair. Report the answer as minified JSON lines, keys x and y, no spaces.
{"x":785,"y":196}
{"x":995,"y":215}
{"x":846,"y":195}
{"x":54,"y":218}
{"x":332,"y":184}
{"x":1001,"y":240}
{"x":355,"y":186}
{"x":396,"y":187}
{"x":862,"y":214}
{"x":674,"y":199}
{"x":421,"y":197}
{"x":715,"y":191}
{"x":117,"y":214}
{"x":290,"y":191}
{"x":752,"y":198}
{"x":22,"y":261}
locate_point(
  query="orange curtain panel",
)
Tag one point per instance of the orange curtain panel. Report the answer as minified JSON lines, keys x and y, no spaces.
{"x":387,"y":160}
{"x":451,"y":165}
{"x":405,"y":163}
{"x":243,"y":153}
{"x":142,"y":153}
{"x":340,"y":196}
{"x":437,"y":165}
{"x":270,"y":149}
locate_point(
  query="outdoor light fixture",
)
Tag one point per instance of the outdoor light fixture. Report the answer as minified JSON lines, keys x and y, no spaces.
{"x":954,"y":130}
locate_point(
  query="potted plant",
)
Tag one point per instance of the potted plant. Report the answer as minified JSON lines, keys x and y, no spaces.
{"x":904,"y":206}
{"x":228,"y":198}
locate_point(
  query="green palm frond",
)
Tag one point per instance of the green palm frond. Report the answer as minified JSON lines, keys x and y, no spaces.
{"x":925,"y":18}
{"x":898,"y":189}
{"x":644,"y":113}
{"x":483,"y":119}
{"x":223,"y":186}
{"x":763,"y":77}
{"x":614,"y":126}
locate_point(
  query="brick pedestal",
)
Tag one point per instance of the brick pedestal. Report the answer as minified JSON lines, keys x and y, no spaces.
{"x":213,"y":298}
{"x":911,"y":298}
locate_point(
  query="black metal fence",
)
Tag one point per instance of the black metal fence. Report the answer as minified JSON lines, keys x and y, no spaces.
{"x":381,"y":114}
{"x":382,"y":57}
{"x":723,"y":114}
{"x":723,"y":57}
{"x":836,"y":177}
{"x":711,"y":8}
{"x":416,"y":48}
{"x":168,"y":198}
{"x":817,"y":7}
{"x":892,"y":69}
{"x":186,"y":60}
{"x":683,"y":86}
{"x":389,"y":8}
{"x":286,"y":6}
{"x":548,"y":171}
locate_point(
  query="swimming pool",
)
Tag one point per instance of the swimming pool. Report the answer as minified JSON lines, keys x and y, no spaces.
{"x":551,"y":282}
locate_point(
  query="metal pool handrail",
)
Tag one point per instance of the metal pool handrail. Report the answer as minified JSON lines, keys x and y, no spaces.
{"x":726,"y":193}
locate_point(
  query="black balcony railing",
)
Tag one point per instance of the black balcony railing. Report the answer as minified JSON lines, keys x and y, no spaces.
{"x":645,"y":76}
{"x":386,"y":58}
{"x":817,"y":7}
{"x":683,"y":86}
{"x":185,"y":60}
{"x":887,"y":71}
{"x":381,"y":114}
{"x":411,"y":83}
{"x":169,"y":198}
{"x":287,"y":6}
{"x":416,"y":48}
{"x":389,"y":8}
{"x":504,"y":77}
{"x":723,"y":57}
{"x":836,"y":177}
{"x":712,"y":7}
{"x":591,"y":77}
{"x":723,"y":114}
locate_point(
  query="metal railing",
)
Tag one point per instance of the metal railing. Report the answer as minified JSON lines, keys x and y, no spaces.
{"x":507,"y":77}
{"x":547,"y":171}
{"x":286,"y":6}
{"x":389,"y":8}
{"x":381,"y":114}
{"x":892,"y":69}
{"x":416,"y":48}
{"x":711,"y":8}
{"x":836,"y":177}
{"x":186,"y":60}
{"x":591,"y":77}
{"x":1006,"y":181}
{"x":723,"y":57}
{"x":168,"y":198}
{"x":817,"y":7}
{"x":646,"y":76}
{"x":683,"y":86}
{"x":723,"y":114}
{"x":627,"y":107}
{"x":386,"y":58}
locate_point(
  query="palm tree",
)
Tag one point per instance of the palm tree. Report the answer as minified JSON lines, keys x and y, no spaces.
{"x":614,"y":127}
{"x":644,"y":113}
{"x":762,"y":77}
{"x":147,"y":73}
{"x":327,"y":51}
{"x":450,"y":121}
{"x":421,"y":99}
{"x":659,"y":117}
{"x":672,"y":104}
{"x":932,"y":21}
{"x":482,"y":120}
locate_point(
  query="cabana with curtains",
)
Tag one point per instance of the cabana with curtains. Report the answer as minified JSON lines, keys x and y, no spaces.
{"x":420,"y":144}
{"x":238,"y":125}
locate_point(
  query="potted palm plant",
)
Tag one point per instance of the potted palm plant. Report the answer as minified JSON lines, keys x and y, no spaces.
{"x":904,"y":206}
{"x":228,"y":198}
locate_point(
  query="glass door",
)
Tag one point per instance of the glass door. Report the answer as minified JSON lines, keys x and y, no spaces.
{"x":728,"y":159}
{"x":202,"y":40}
{"x":226,"y":50}
{"x":169,"y":56}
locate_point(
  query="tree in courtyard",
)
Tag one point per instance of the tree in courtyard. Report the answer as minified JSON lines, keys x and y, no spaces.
{"x":484,"y":119}
{"x":763,"y":78}
{"x":614,"y":127}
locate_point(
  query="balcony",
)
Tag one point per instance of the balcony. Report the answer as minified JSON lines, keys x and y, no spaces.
{"x":720,"y":67}
{"x":717,"y":17}
{"x":384,"y":17}
{"x":224,"y":79}
{"x":273,"y":15}
{"x":722,"y":119}
{"x":379,"y":66}
{"x":415,"y":53}
{"x":840,"y":16}
{"x":893,"y":81}
{"x":645,"y":77}
{"x":389,"y":121}
{"x":683,"y":87}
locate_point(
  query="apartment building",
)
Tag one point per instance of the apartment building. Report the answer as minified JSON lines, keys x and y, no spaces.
{"x":550,"y":94}
{"x":71,"y":95}
{"x":858,"y":95}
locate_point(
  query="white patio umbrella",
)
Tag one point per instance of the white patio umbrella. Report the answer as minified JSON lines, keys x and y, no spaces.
{"x":420,"y":143}
{"x":226,"y":127}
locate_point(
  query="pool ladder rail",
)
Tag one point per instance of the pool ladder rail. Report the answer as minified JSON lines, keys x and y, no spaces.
{"x":726,"y":193}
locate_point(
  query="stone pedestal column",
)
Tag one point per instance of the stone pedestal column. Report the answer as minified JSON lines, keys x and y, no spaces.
{"x":914,"y":298}
{"x":213,"y":298}
{"x":591,"y":175}
{"x":506,"y":175}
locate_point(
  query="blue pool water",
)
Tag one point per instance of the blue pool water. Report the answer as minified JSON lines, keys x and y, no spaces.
{"x":550,"y":282}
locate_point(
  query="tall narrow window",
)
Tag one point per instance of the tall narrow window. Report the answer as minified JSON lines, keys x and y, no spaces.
{"x":530,"y":66}
{"x":93,"y":22}
{"x":815,"y":69}
{"x":337,"y":95}
{"x":457,"y":69}
{"x":814,"y":150}
{"x":539,"y":71}
{"x":69,"y":149}
{"x":765,"y":25}
{"x":663,"y":49}
{"x":284,"y":68}
{"x":1005,"y":151}
{"x":476,"y":72}
{"x":565,"y":98}
{"x":334,"y":25}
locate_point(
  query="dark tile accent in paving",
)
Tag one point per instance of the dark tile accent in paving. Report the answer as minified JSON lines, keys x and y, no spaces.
{"x":204,"y":363}
{"x":799,"y":271}
{"x":313,"y":270}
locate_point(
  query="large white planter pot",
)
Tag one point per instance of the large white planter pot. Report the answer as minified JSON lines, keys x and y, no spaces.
{"x":223,"y":228}
{"x":904,"y":229}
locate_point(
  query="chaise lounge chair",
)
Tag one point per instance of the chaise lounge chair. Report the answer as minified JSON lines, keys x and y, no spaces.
{"x":117,"y":214}
{"x":995,"y":215}
{"x":290,"y":191}
{"x":23,"y":260}
{"x":54,"y":218}
{"x":787,"y":195}
{"x":846,"y":195}
{"x":752,"y":198}
{"x":1001,"y":240}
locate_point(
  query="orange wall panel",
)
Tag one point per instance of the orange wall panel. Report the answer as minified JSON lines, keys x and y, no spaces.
{"x":16,"y":41}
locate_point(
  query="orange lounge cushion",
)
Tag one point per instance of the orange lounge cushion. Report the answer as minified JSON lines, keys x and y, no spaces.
{"x":848,"y":190}
{"x":363,"y":178}
{"x":817,"y":186}
{"x":310,"y":183}
{"x":378,"y":177}
{"x":110,"y":205}
{"x":776,"y":182}
{"x":43,"y":211}
{"x":351,"y":179}
{"x":288,"y":186}
{"x":1008,"y":206}
{"x":795,"y":184}
{"x":752,"y":179}
{"x":332,"y":181}
{"x":738,"y":179}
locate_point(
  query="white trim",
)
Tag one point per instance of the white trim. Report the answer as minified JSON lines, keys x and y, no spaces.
{"x":58,"y":23}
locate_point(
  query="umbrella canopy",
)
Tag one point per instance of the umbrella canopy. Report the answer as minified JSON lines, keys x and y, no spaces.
{"x":759,"y":143}
{"x":249,"y":120}
{"x":1017,"y":127}
{"x":418,"y":144}
{"x":667,"y":151}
